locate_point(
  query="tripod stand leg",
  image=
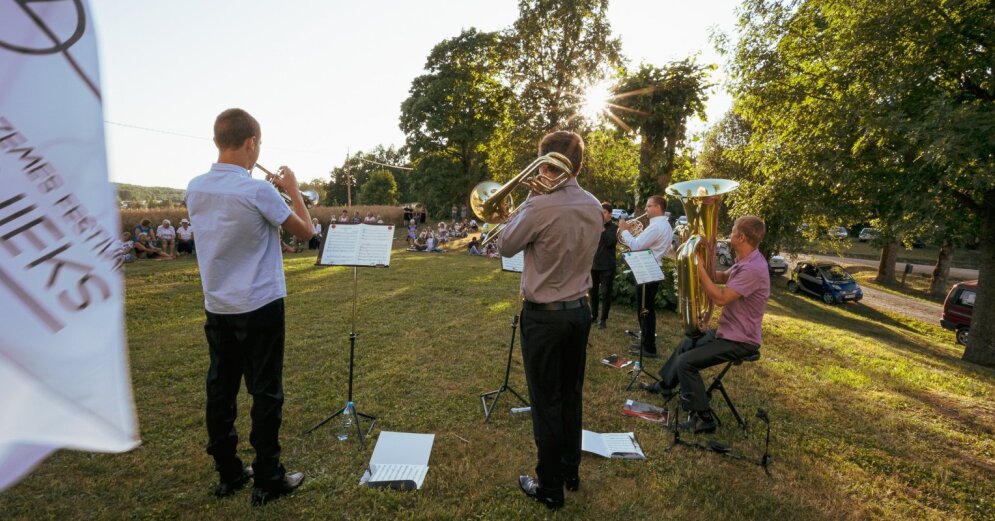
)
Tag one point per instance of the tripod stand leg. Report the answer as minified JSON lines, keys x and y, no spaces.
{"x":326,"y":420}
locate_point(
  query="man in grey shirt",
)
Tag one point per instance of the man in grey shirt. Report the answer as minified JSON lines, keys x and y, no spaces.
{"x":241,"y":267}
{"x":559,"y":233}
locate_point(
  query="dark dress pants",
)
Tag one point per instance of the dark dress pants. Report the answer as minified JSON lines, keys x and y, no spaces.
{"x":554,"y":351}
{"x":248,"y":345}
{"x":647,"y":321}
{"x":684,"y":366}
{"x":601,"y":292}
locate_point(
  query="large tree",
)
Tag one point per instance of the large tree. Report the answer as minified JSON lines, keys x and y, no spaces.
{"x":886,"y":103}
{"x":356,"y":170}
{"x":657,"y":103}
{"x":450,"y":115}
{"x":380,"y":188}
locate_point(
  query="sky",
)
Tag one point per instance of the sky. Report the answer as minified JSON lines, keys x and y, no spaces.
{"x":325,"y":78}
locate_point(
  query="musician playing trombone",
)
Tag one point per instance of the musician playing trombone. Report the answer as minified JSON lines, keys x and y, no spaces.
{"x":746,"y":287}
{"x":657,"y":236}
{"x":559,"y":233}
{"x":238,"y":219}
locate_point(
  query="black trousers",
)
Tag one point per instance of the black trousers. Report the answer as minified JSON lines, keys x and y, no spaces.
{"x":250,"y":345}
{"x":554,"y":350}
{"x":684,"y":366}
{"x":601,"y":292}
{"x":647,"y":322}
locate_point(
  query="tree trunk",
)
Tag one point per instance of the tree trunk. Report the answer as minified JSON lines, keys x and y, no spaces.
{"x":941,"y":272}
{"x":886,"y":268}
{"x":981,"y":340}
{"x":645,"y":182}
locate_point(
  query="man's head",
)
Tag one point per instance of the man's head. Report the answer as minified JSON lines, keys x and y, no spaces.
{"x":567,"y":143}
{"x":238,"y":136}
{"x":749,"y":229}
{"x":606,"y":211}
{"x":655,"y":206}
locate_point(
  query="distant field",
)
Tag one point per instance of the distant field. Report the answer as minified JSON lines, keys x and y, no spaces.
{"x":874,"y":416}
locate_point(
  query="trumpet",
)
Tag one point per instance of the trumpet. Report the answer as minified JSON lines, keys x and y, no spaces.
{"x":493,"y":203}
{"x":311,"y":197}
{"x":635,"y":227}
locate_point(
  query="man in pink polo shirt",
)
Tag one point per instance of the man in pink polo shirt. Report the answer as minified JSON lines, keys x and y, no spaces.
{"x":744,"y":296}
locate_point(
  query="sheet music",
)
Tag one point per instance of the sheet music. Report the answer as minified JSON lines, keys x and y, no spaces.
{"x":394,"y":473}
{"x":515,"y":263}
{"x":644,"y":266}
{"x":612,"y":445}
{"x":357,"y":245}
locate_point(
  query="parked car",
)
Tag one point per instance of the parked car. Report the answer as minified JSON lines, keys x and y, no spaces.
{"x":958,"y":308}
{"x":724,"y":253}
{"x":777,"y":265}
{"x":837,"y":232}
{"x":825,"y":279}
{"x":619,"y":213}
{"x":868,"y":234}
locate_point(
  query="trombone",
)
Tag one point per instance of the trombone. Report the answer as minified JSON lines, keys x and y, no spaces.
{"x":492,"y":202}
{"x":311,"y":197}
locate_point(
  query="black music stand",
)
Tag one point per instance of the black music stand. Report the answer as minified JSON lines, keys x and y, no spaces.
{"x":355,"y":245}
{"x":504,"y":387}
{"x":514,"y":265}
{"x":644,"y":270}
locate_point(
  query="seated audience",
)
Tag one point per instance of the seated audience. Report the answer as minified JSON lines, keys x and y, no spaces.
{"x":145,"y":250}
{"x":473,"y":248}
{"x":167,"y":237}
{"x":316,"y":238}
{"x":184,"y":238}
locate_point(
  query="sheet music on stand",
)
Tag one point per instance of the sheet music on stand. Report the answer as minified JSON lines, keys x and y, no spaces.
{"x":643,"y":265}
{"x":363,"y":245}
{"x":515,"y":264}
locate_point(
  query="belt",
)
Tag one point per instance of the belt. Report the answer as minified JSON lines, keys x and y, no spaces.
{"x":555,"y":306}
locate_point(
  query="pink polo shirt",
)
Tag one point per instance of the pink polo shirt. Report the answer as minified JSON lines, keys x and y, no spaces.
{"x":740,"y":319}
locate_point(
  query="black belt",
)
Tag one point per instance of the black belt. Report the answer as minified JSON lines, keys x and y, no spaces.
{"x":563,"y":305}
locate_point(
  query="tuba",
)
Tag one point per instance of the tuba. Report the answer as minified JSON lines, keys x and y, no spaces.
{"x":702,"y":199}
{"x":493,"y":203}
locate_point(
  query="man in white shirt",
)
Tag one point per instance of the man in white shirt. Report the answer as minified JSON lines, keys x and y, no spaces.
{"x":656,"y":237}
{"x":184,"y":238}
{"x":238,"y":220}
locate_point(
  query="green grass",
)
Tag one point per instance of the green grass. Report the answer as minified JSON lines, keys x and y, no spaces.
{"x":874,"y":416}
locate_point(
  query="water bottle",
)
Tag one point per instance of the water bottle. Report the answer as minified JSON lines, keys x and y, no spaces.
{"x":346,"y":428}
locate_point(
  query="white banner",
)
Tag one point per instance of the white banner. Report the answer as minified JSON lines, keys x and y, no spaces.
{"x":64,"y":378}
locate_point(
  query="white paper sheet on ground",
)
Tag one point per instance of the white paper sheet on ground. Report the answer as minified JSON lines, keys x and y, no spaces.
{"x":399,"y":461}
{"x":63,"y":362}
{"x":621,"y":445}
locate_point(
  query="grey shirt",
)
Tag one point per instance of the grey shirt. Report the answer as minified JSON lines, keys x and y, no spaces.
{"x":559,"y":232}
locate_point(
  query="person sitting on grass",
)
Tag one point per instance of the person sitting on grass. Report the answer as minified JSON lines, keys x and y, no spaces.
{"x":356,"y":219}
{"x":420,"y":243}
{"x":316,"y":238}
{"x":344,"y":217}
{"x":127,"y":252}
{"x":184,"y":238}
{"x":491,"y":251}
{"x":473,"y":248}
{"x":433,"y":244}
{"x":167,"y":237}
{"x":379,"y":219}
{"x":145,"y":227}
{"x":369,"y":219}
{"x":412,"y":233}
{"x":145,"y":250}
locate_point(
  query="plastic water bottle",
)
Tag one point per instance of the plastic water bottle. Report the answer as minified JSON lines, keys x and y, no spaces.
{"x":346,"y":428}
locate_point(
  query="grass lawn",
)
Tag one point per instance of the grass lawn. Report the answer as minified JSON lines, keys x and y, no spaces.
{"x":874,"y":416}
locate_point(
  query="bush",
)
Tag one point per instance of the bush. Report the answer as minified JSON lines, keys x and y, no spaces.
{"x":624,"y":289}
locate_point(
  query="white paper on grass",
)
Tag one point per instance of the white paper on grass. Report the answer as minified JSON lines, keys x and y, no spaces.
{"x":612,"y":444}
{"x":399,"y":457}
{"x":63,"y":363}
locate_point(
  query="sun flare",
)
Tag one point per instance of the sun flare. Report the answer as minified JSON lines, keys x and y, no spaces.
{"x":594,"y":102}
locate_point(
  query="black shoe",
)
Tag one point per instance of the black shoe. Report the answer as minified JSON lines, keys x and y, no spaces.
{"x":646,"y":354}
{"x":696,"y":424}
{"x":229,"y":487}
{"x":571,"y":482}
{"x":263,"y":495}
{"x":602,"y":324}
{"x":531,"y":488}
{"x":658,"y":388}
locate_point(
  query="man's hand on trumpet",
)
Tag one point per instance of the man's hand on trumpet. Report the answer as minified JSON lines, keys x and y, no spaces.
{"x":284,"y":180}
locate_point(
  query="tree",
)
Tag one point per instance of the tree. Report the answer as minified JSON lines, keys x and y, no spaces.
{"x":658,"y":103}
{"x":380,"y":188}
{"x":450,"y":115}
{"x":358,"y":167}
{"x":887,"y":105}
{"x":611,"y":163}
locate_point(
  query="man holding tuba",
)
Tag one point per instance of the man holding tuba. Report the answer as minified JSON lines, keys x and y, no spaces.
{"x":657,"y":237}
{"x":744,"y":296}
{"x":559,"y":233}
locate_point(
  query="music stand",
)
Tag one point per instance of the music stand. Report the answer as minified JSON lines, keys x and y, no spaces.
{"x":356,"y":245}
{"x":515,"y":265}
{"x":644,"y":269}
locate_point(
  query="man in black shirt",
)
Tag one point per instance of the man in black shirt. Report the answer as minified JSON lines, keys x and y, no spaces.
{"x":603,"y":269}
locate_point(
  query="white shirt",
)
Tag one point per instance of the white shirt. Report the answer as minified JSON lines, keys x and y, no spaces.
{"x":185,"y":234}
{"x":238,"y":243}
{"x":657,"y":236}
{"x":166,"y":234}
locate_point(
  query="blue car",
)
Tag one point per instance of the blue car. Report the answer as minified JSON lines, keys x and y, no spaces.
{"x":826,"y":280}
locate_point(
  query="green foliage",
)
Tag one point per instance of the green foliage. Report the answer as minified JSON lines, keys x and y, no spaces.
{"x":136,"y":196}
{"x":380,"y":188}
{"x":659,"y":102}
{"x":611,"y":163}
{"x":357,"y":169}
